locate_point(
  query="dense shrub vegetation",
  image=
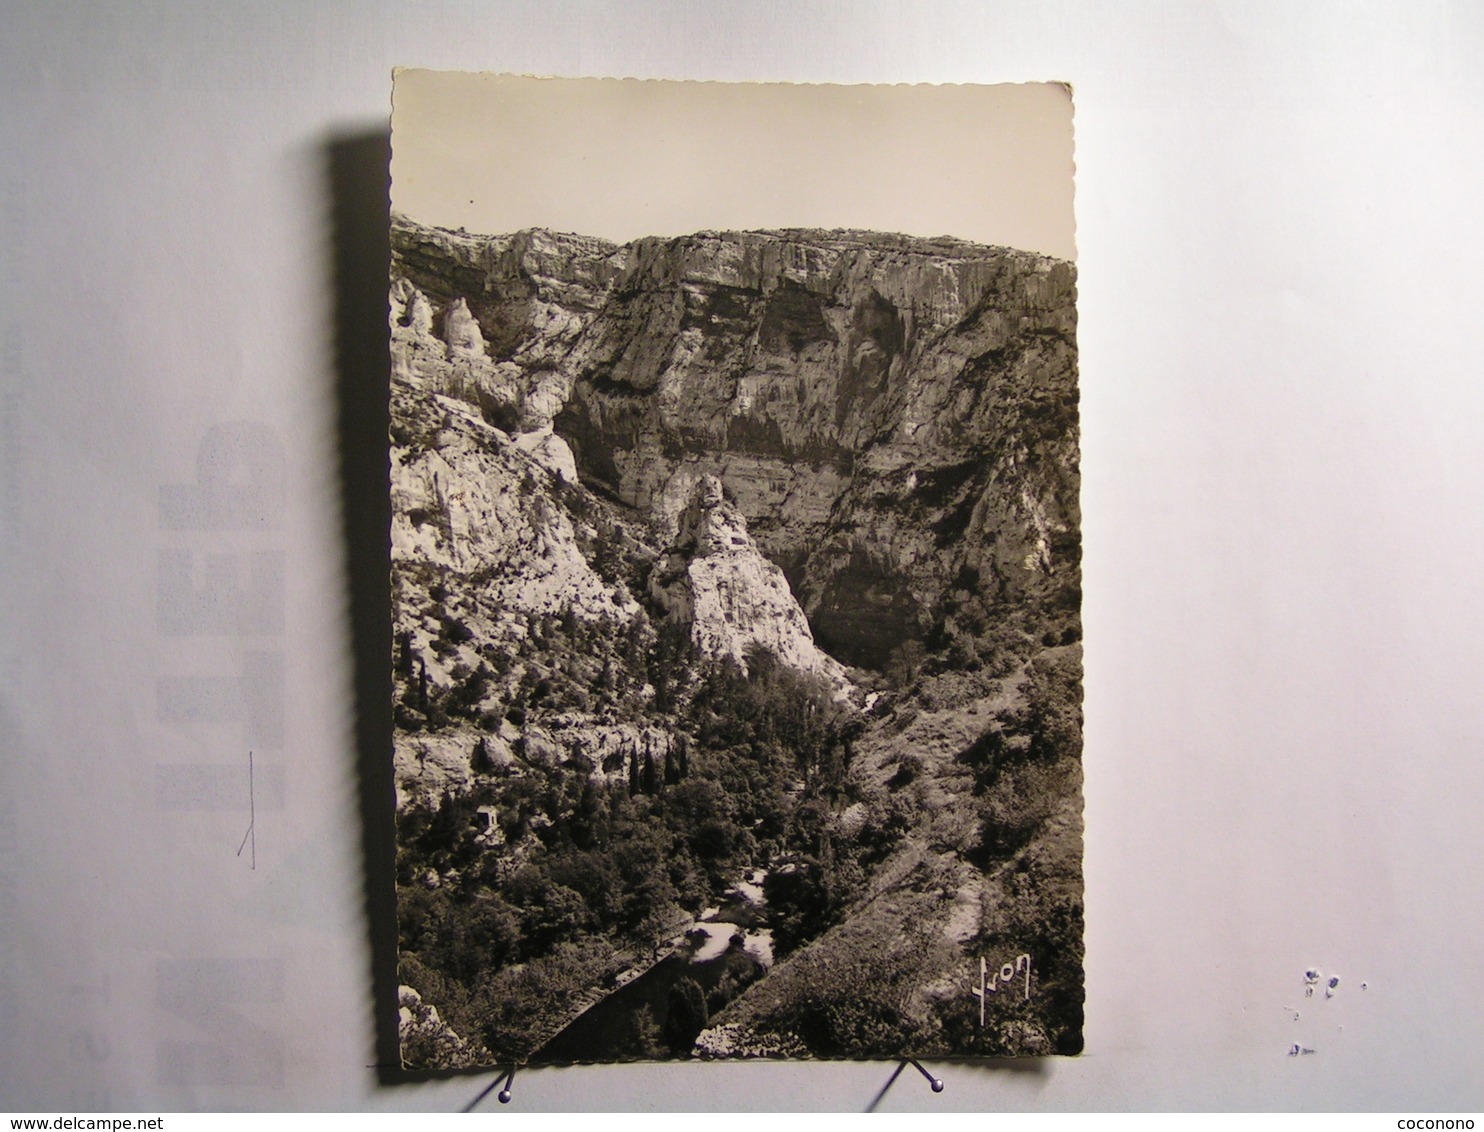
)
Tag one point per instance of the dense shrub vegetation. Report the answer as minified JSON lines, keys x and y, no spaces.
{"x":1028,"y":778}
{"x":587,"y":875}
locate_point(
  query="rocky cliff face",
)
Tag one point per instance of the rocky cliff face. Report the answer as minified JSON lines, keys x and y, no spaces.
{"x":895,"y":419}
{"x":502,"y":561}
{"x":736,"y":555}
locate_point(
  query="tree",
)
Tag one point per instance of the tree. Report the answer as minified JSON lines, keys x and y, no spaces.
{"x":905,"y":663}
{"x":480,"y":760}
{"x":686,"y":1015}
{"x":642,"y":1035}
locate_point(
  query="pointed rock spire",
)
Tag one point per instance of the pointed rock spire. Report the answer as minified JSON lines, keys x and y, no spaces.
{"x":734,"y":598}
{"x":461,"y":331}
{"x":410,"y":308}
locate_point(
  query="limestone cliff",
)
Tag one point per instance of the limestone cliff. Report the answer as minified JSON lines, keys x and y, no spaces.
{"x":894,"y":418}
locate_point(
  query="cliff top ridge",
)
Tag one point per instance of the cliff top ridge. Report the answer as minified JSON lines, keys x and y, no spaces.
{"x":833,"y":239}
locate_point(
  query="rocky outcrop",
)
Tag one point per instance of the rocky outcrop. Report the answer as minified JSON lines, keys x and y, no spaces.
{"x":470,"y":499}
{"x":425,"y":1038}
{"x":735,"y":600}
{"x":428,"y":766}
{"x":631,"y":754}
{"x":461,"y":332}
{"x":411,"y":311}
{"x":895,"y":418}
{"x":532,"y":293}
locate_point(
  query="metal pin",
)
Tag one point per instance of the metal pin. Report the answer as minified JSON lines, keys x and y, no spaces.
{"x":935,"y":1082}
{"x":503,"y":1096}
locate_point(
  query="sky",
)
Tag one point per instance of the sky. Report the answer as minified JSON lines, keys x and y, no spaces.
{"x":623,"y":158}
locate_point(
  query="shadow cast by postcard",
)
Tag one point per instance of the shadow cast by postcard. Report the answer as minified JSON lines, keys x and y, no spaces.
{"x":358,"y":176}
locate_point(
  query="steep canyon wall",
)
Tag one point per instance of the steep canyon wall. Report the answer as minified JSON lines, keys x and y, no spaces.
{"x":895,"y":418}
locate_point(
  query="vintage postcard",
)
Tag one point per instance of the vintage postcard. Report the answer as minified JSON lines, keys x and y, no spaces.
{"x":735,"y":571}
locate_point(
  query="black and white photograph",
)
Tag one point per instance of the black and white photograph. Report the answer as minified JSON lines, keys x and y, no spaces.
{"x":695,"y":559}
{"x":737,"y":657}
